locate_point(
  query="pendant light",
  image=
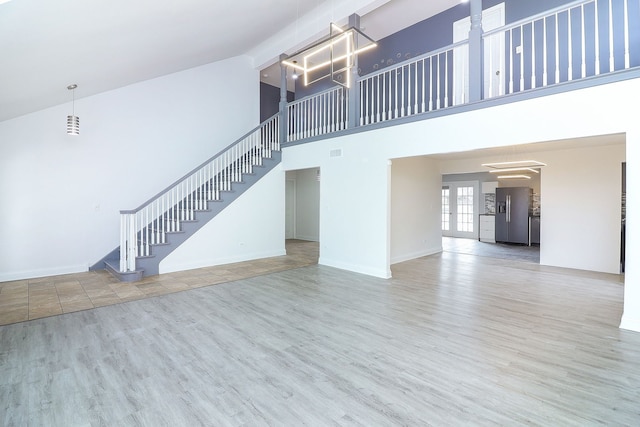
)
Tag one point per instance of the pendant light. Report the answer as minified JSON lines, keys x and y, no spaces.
{"x":73,"y":121}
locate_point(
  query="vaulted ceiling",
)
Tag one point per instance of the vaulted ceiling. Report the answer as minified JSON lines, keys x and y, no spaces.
{"x":105,"y":44}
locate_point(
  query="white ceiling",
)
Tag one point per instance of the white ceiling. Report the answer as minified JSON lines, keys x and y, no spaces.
{"x":105,"y":44}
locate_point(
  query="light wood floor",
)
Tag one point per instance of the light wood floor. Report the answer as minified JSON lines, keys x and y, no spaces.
{"x":452,"y":339}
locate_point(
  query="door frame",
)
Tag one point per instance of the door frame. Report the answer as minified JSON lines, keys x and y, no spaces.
{"x":453,"y":209}
{"x":290,"y":198}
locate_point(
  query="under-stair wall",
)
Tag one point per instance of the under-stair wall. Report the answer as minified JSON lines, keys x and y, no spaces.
{"x":156,"y":228}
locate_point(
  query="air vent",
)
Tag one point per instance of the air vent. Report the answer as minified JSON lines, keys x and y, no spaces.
{"x":336,"y":153}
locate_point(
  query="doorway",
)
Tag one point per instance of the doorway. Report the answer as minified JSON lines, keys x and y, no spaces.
{"x":302,"y":204}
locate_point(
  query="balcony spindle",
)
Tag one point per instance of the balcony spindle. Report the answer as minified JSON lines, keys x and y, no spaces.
{"x":627,"y":59}
{"x":545,"y":52}
{"x":438,"y":82}
{"x":583,"y":67}
{"x":612,"y":64}
{"x":446,"y":80}
{"x":521,"y":58}
{"x":569,"y":46}
{"x":597,"y":38}
{"x":511,"y":61}
{"x":557,"y":23}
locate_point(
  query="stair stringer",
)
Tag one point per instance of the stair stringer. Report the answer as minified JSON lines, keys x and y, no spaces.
{"x":149,"y":265}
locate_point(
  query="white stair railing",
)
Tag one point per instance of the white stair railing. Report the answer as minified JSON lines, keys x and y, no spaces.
{"x":572,"y":42}
{"x":149,"y":224}
{"x":419,"y":85}
{"x":318,"y":114}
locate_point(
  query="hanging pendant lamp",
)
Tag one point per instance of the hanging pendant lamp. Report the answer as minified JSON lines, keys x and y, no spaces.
{"x":73,"y":121}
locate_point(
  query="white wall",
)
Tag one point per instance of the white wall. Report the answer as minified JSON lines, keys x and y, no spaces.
{"x":252,"y":227}
{"x":581,"y":213}
{"x":631,"y":316}
{"x":60,"y":195}
{"x":354,"y":203}
{"x":415,"y":208}
{"x":307,"y":203}
{"x":354,"y":220}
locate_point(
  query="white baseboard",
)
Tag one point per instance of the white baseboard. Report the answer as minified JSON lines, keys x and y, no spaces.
{"x":43,"y":272}
{"x":408,"y":257}
{"x":308,"y":238}
{"x":201,"y":263}
{"x":630,"y":324}
{"x":362,"y":269}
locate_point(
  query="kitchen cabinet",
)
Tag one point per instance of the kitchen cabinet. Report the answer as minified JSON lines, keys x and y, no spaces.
{"x":489,"y":187}
{"x":487,"y":232}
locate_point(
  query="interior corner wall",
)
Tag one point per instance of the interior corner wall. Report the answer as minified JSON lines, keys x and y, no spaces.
{"x":354,"y":200}
{"x":252,"y":227}
{"x":581,"y":208}
{"x":60,"y":195}
{"x":415,"y":208}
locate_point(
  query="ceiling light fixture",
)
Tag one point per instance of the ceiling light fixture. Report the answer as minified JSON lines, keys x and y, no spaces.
{"x":515,"y":164}
{"x":501,"y":170}
{"x":514,"y":177}
{"x":73,"y":121}
{"x":336,"y":53}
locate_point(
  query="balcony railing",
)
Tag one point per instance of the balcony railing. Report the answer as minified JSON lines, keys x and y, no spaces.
{"x":580,"y":40}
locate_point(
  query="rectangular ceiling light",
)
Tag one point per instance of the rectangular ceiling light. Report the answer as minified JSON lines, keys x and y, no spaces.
{"x":514,"y":170}
{"x":516,"y":164}
{"x":514,"y":177}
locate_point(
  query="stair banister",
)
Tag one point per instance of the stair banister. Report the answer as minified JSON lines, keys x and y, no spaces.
{"x":148,"y":224}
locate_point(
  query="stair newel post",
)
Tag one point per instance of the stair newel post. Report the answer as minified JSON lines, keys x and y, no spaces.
{"x":134,"y":250}
{"x":284,"y":124}
{"x":128,"y":241}
{"x":476,"y":55}
{"x":124,"y":232}
{"x":353,"y":89}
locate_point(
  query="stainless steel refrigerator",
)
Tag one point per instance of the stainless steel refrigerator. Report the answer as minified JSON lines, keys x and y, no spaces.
{"x":513,"y":207}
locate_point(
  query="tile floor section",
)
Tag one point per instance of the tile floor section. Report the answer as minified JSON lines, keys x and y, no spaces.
{"x":30,"y":299}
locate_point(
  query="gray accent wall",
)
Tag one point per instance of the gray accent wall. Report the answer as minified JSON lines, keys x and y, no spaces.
{"x":270,"y":100}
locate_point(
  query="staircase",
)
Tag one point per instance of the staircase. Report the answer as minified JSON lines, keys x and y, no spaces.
{"x":152,"y":231}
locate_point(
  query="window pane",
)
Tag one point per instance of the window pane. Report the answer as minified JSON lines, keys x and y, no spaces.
{"x":464,"y":219}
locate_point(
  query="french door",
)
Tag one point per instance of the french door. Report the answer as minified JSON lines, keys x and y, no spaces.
{"x":460,"y":209}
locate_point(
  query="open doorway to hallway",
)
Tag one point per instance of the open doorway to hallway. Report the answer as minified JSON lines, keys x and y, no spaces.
{"x":302,"y":213}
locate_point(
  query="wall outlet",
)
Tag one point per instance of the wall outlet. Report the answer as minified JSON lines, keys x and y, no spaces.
{"x":519,"y":49}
